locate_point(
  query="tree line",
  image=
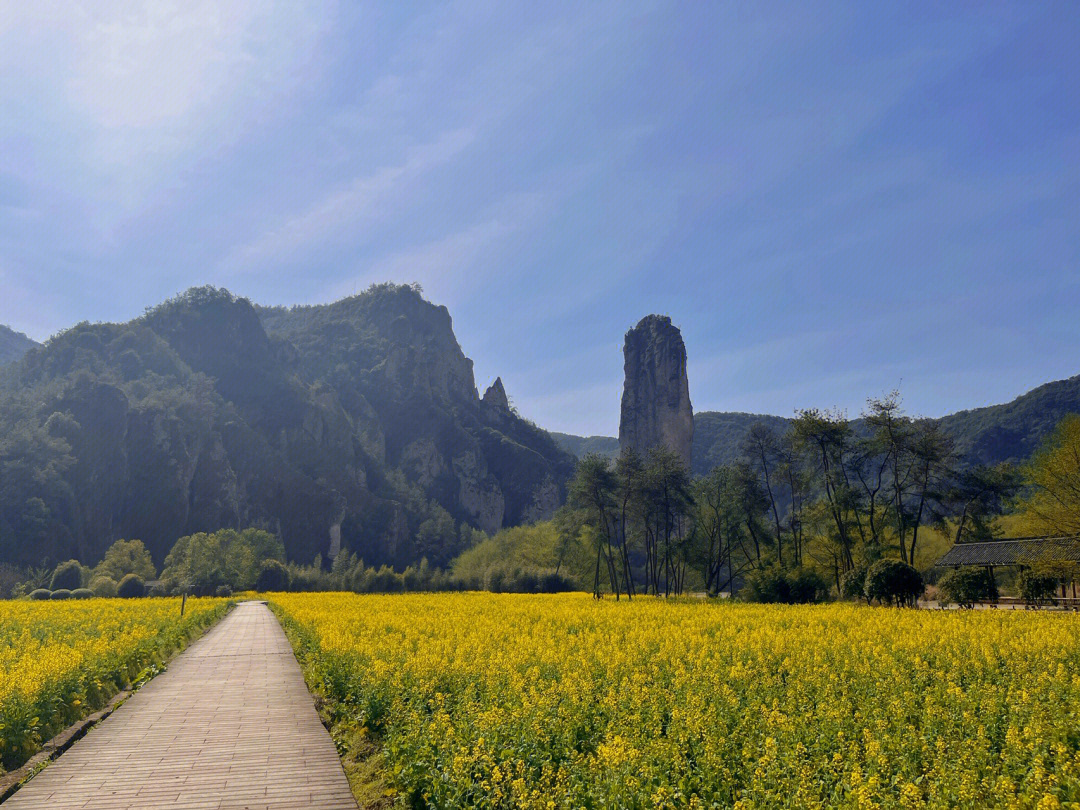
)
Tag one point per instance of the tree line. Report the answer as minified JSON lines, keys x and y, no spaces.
{"x":827,"y":497}
{"x":828,"y":505}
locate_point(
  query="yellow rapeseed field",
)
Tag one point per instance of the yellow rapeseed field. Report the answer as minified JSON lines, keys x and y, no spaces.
{"x":62,"y":660}
{"x":561,"y":702}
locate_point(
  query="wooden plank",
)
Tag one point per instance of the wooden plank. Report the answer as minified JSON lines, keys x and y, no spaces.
{"x":230,"y":725}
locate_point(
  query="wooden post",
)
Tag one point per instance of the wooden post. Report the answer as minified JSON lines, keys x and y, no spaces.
{"x":183,"y":603}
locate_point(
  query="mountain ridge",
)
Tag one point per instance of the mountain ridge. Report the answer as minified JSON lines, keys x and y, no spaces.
{"x":13,"y":345}
{"x":353,"y":424}
{"x":988,"y":434}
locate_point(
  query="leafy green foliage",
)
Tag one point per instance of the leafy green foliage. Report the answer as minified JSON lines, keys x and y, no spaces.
{"x":806,"y":585}
{"x":853,"y":583}
{"x":40,"y":594}
{"x":60,"y":594}
{"x":892,"y":582}
{"x":68,"y":576}
{"x":103,"y":586}
{"x":126,"y":557}
{"x":1038,"y":586}
{"x":273,"y":576}
{"x":966,"y":586}
{"x":13,"y":345}
{"x":1052,"y":503}
{"x":524,"y":558}
{"x":201,"y":563}
{"x":131,"y":587}
{"x":82,"y":593}
{"x":772,"y":584}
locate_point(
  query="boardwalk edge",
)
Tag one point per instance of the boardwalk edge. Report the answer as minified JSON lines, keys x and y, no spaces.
{"x":11,"y":781}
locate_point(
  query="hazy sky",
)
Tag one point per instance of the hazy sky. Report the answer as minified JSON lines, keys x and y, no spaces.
{"x":831,"y":200}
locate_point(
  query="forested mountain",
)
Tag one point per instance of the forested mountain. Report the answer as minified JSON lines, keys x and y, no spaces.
{"x":719,"y":436}
{"x":356,"y":423}
{"x":13,"y":345}
{"x":578,"y":446}
{"x":1009,"y":432}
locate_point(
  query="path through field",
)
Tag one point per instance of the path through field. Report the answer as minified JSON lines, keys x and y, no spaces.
{"x":230,"y":725}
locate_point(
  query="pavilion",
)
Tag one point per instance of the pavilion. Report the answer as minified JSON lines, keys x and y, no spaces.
{"x":1019,"y":553}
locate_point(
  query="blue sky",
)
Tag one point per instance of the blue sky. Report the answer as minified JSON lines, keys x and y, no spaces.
{"x":831,"y":200}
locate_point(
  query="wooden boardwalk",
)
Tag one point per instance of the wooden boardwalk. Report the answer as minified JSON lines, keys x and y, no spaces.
{"x":230,"y":725}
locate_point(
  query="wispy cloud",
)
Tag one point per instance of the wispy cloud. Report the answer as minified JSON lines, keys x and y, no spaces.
{"x":436,"y":265}
{"x":354,"y":206}
{"x":454,"y":266}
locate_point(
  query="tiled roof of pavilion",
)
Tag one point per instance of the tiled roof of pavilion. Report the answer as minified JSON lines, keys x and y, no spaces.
{"x":1019,"y":551}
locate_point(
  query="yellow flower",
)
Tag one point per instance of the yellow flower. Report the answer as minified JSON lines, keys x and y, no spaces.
{"x":559,"y":701}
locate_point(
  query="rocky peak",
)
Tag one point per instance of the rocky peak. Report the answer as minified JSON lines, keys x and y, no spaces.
{"x":212,"y":330}
{"x":399,"y":344}
{"x":495,"y":397}
{"x":656,"y":409}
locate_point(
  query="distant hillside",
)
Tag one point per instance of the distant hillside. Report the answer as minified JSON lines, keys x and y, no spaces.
{"x":1009,"y":432}
{"x":13,"y":345}
{"x":718,"y":436}
{"x":578,"y":446}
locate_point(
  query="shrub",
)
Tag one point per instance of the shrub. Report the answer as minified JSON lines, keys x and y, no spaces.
{"x":966,"y":586}
{"x":273,"y":576}
{"x":222,"y":590}
{"x":103,"y":586}
{"x":131,"y":587}
{"x":550,"y":582}
{"x":67,"y":576}
{"x":496,"y":581}
{"x":387,"y":580}
{"x":306,"y":578}
{"x":893,"y":582}
{"x":40,"y":594}
{"x":806,"y":586}
{"x":853,"y":583}
{"x":200,"y":562}
{"x":126,"y":557}
{"x":82,"y":593}
{"x":1038,"y":587}
{"x":62,"y":593}
{"x":767,"y":585}
{"x":773,"y":585}
{"x":158,"y":589}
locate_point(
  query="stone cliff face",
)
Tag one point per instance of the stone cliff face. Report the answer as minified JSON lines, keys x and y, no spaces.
{"x":396,"y":354}
{"x":352,"y":425}
{"x":656,"y":409}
